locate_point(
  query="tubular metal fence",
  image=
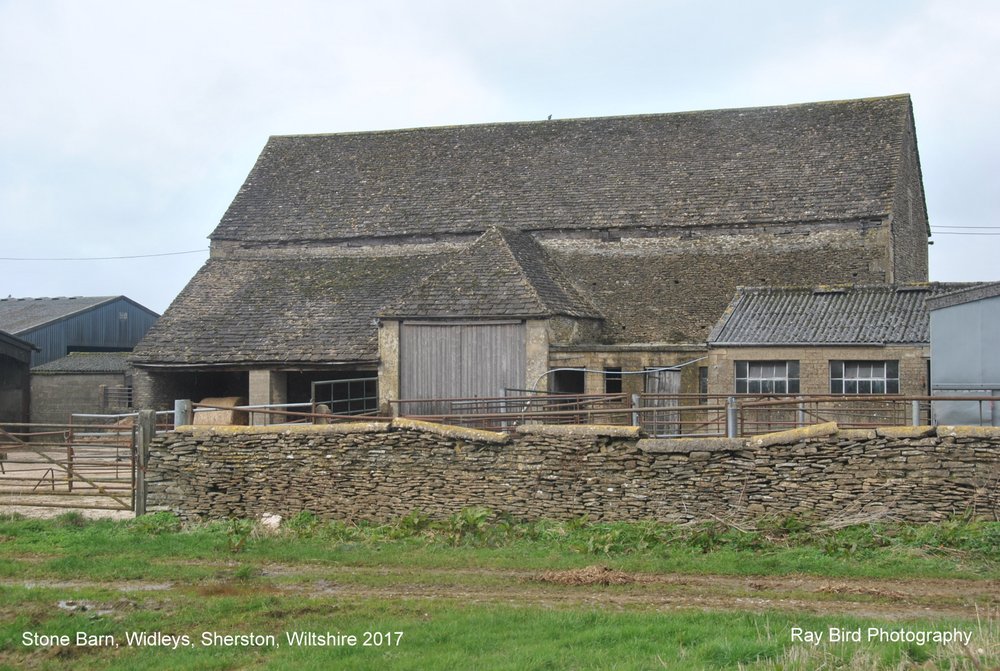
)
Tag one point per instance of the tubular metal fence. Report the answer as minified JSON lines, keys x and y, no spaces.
{"x":87,"y":464}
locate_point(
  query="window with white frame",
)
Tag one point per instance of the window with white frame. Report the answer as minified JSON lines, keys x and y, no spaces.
{"x":864,"y":377}
{"x":767,"y":377}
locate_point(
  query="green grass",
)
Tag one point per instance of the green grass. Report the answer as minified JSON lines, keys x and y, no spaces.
{"x":434,"y":636}
{"x":159,"y":547}
{"x":458,"y":589}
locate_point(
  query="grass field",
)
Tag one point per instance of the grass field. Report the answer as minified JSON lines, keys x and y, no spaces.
{"x":479,"y":591}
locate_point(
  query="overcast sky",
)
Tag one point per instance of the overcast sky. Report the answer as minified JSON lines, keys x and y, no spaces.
{"x":127,"y":127}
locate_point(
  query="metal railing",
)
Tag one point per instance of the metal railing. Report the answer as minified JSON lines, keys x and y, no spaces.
{"x":699,"y":414}
{"x":662,"y":415}
{"x":87,"y":463}
{"x":280,"y":414}
{"x":352,"y":396}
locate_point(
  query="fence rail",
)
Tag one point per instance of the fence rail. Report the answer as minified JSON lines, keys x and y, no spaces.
{"x":662,"y":415}
{"x":698,"y":414}
{"x":85,"y":464}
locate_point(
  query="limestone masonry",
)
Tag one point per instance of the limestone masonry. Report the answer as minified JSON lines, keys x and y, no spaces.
{"x":382,"y":471}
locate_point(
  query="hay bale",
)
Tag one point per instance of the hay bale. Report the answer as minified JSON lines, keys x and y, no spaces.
{"x":322,"y":409}
{"x":228,"y":417}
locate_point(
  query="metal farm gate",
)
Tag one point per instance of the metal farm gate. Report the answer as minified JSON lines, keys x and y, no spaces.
{"x":89,"y":466}
{"x":446,"y":360}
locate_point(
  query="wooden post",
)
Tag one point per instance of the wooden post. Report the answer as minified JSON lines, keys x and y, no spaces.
{"x":146,"y":431}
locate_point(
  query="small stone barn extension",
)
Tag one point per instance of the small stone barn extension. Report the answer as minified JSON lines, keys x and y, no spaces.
{"x":850,"y":340}
{"x":458,"y":261}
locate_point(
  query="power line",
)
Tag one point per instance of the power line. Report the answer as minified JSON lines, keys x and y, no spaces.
{"x":943,"y":226}
{"x":962,"y":233}
{"x":104,"y":258}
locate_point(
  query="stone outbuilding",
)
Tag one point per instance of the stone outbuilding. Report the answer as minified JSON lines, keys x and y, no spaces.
{"x":81,"y":382}
{"x":840,"y":340}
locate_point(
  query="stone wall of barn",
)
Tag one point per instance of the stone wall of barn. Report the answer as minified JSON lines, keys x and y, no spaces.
{"x":814,"y":365}
{"x":381,"y":471}
{"x":909,"y":220}
{"x":54,"y":397}
{"x":673,"y":288}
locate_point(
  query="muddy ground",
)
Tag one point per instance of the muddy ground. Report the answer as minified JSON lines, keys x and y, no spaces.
{"x":881,"y":599}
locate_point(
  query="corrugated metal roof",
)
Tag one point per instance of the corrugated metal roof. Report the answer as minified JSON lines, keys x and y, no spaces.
{"x":869,"y":315}
{"x":18,"y":315}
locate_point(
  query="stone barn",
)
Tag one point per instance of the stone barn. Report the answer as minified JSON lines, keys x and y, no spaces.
{"x":577,"y":255}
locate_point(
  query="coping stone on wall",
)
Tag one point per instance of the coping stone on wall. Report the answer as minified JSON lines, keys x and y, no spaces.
{"x":906,"y":431}
{"x":857,"y":434}
{"x":340,"y":428}
{"x":968,"y":432}
{"x":794,"y":435}
{"x":448,"y":431}
{"x":580,"y":430}
{"x":686,"y":445}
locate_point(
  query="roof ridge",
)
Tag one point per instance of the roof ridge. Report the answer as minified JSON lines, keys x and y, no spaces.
{"x":503,"y":232}
{"x":607,"y":117}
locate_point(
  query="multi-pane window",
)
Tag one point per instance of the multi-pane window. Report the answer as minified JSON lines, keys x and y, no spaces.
{"x":613,"y":380}
{"x":767,"y":377}
{"x":864,"y":377}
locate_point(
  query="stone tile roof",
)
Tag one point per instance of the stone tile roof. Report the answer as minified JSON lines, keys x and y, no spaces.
{"x":831,"y":161}
{"x":245,"y":311}
{"x":87,"y":362}
{"x":18,"y":315}
{"x":870,"y":315}
{"x":505,"y":273}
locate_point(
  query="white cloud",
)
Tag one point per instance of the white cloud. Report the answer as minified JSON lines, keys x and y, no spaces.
{"x":131,"y":125}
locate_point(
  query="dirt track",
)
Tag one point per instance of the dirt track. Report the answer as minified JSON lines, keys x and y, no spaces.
{"x":883,"y":599}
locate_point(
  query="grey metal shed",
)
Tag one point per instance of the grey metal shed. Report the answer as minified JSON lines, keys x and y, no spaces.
{"x":965,"y":354}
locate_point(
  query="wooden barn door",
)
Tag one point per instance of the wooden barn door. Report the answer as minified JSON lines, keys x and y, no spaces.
{"x":659,"y":382}
{"x":458,"y":360}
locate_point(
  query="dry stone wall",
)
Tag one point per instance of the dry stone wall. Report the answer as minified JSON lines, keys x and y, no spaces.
{"x":383,"y":471}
